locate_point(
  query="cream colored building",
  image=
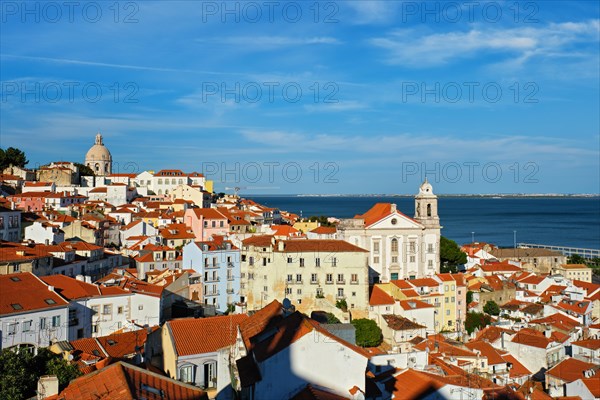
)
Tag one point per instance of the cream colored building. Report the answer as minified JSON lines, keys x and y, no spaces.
{"x":399,"y":247}
{"x":581,"y":272}
{"x":98,"y":158}
{"x":313,"y":274}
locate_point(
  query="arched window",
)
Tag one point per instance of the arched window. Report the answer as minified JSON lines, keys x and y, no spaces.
{"x":106,"y":167}
{"x":429,"y":210}
{"x":394,"y":245}
{"x":97,"y":167}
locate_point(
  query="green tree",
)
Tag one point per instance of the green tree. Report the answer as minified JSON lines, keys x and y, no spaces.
{"x":332,"y":319}
{"x":64,"y":371}
{"x":476,"y":320}
{"x":12,"y":156}
{"x":469,"y":297}
{"x":450,"y":255}
{"x":576,"y":259}
{"x":491,"y":307}
{"x":342,"y":305}
{"x":84,"y":170}
{"x":18,"y":378}
{"x":368,"y":334}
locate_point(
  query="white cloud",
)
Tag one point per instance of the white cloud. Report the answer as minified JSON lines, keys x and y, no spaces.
{"x":408,"y":47}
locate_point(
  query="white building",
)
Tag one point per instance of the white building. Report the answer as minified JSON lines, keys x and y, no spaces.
{"x":32,"y":314}
{"x":10,"y":224}
{"x":45,"y":233}
{"x":400,"y":247}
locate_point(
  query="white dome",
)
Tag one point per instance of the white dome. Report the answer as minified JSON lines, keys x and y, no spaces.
{"x":98,"y":152}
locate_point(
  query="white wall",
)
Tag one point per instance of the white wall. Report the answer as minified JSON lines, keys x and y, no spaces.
{"x":35,"y":335}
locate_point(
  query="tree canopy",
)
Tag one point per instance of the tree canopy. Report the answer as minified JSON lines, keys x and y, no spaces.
{"x":368,"y":334}
{"x":450,"y":255}
{"x":12,"y":156}
{"x":84,"y":170}
{"x":491,"y":307}
{"x":19,"y":372}
{"x":476,"y":320}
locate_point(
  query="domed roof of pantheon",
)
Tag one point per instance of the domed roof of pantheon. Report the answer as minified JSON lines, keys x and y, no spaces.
{"x":98,"y":152}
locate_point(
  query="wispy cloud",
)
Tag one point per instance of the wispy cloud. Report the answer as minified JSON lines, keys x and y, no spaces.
{"x":269,"y":42}
{"x":408,"y":47}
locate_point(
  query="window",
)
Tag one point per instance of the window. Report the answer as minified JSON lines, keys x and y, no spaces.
{"x":430,"y":248}
{"x":94,"y":328}
{"x":106,"y":309}
{"x":394,"y":259}
{"x":375,"y":247}
{"x":42,"y":323}
{"x":446,"y":299}
{"x":354,"y":278}
{"x":141,"y":307}
{"x":251,"y":260}
{"x":27,"y":326}
{"x":430,"y":263}
{"x":412,"y":259}
{"x":288,"y":290}
{"x":289,"y":260}
{"x":313,"y":278}
{"x":412,"y":247}
{"x":340,"y":278}
{"x":265,"y":288}
{"x":119,"y":310}
{"x":290,"y":278}
{"x":319,"y":292}
{"x":452,"y":300}
{"x":394,"y":245}
{"x":302,"y":262}
{"x":298,"y":277}
{"x":375,"y":260}
{"x":317,"y":262}
{"x":56,"y":321}
{"x":353,"y":294}
{"x":299,"y":292}
{"x":447,"y":312}
{"x":333,"y":261}
{"x":445,"y":288}
{"x":186,"y":374}
{"x":12,"y":329}
{"x":329,"y":278}
{"x":394,"y":276}
{"x":340,"y":292}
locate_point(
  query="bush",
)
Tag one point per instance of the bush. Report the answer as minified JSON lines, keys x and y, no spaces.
{"x":342,"y":305}
{"x":368,"y":334}
{"x":492,"y":308}
{"x":476,"y":320}
{"x":332,"y":319}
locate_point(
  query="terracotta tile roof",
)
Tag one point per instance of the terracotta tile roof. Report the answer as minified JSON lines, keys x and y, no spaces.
{"x":529,"y":338}
{"x":422,"y":282}
{"x":204,"y":335}
{"x":570,"y":369}
{"x":120,"y":345}
{"x":208,"y":213}
{"x":379,"y":297}
{"x":440,"y":346}
{"x":517,"y":369}
{"x":575,"y":266}
{"x":89,"y":346}
{"x":503,"y":266}
{"x":587,"y":286}
{"x":412,"y":384}
{"x":593,"y":344}
{"x":398,"y":323}
{"x":577,"y":307}
{"x":258,"y":241}
{"x":486,"y":350}
{"x":284,"y":230}
{"x":414,"y":304}
{"x":593,"y":385}
{"x":24,"y":292}
{"x":402,"y":284}
{"x":71,"y":288}
{"x":121,"y":381}
{"x":324,"y":230}
{"x":259,"y":321}
{"x":378,"y":212}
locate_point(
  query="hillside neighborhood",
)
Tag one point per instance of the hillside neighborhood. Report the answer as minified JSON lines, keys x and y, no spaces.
{"x":150,"y":285}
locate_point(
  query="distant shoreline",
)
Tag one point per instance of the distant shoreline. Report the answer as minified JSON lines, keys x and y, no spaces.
{"x":497,"y":196}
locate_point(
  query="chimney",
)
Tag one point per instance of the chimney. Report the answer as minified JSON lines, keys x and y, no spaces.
{"x":393,"y":207}
{"x":280,"y":245}
{"x":548,"y":332}
{"x":51,"y":288}
{"x":47,"y":386}
{"x":79,"y":278}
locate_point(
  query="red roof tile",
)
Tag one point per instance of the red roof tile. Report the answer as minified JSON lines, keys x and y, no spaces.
{"x":121,"y":381}
{"x":204,"y":335}
{"x":379,"y":297}
{"x":570,"y":369}
{"x":23,"y":292}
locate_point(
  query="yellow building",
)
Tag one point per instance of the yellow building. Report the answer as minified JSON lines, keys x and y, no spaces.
{"x":581,"y":272}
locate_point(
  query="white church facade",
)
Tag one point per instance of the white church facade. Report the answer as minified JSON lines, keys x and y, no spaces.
{"x":400,"y":247}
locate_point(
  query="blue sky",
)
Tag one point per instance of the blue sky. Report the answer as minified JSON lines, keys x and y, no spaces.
{"x":304,"y":97}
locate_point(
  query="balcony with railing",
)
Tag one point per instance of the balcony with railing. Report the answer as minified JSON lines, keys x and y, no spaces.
{"x":341,"y":281}
{"x":230,"y":291}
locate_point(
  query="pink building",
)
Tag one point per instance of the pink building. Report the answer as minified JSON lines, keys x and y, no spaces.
{"x":206,"y":222}
{"x":30,"y":201}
